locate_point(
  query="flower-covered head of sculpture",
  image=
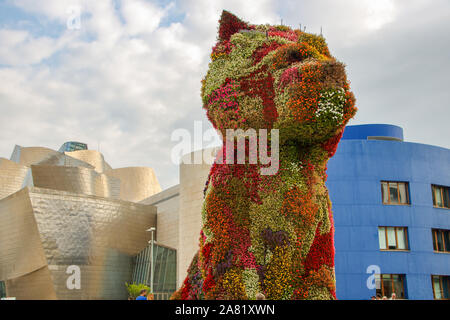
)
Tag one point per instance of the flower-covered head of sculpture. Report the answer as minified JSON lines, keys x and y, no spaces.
{"x":273,"y":77}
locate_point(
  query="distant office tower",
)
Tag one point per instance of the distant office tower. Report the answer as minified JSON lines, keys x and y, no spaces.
{"x":73,"y":146}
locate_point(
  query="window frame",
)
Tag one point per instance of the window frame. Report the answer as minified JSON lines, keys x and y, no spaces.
{"x":401,"y":276}
{"x":434,"y":233}
{"x":405,"y":230}
{"x":441,"y":188}
{"x":408,"y":200}
{"x":441,"y":289}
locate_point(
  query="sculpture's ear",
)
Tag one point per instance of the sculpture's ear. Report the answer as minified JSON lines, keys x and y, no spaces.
{"x":229,"y":24}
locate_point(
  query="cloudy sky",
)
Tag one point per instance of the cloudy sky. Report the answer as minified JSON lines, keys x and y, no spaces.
{"x":129,"y":74}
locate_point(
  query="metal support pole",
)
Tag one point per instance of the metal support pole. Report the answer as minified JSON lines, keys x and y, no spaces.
{"x":151,"y":261}
{"x":151,"y":267}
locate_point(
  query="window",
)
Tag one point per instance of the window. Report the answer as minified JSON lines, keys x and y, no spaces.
{"x":441,"y":240}
{"x":395,"y":192}
{"x":393,"y":238}
{"x":441,"y":196}
{"x":2,"y":290}
{"x":441,"y":287}
{"x":387,"y":284}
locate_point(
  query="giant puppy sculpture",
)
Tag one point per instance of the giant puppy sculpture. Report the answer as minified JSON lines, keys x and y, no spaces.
{"x":270,"y":233}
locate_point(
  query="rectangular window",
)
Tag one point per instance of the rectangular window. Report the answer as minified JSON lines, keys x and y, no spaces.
{"x":441,"y":240}
{"x":441,"y":287}
{"x":393,"y":238}
{"x":395,"y":192}
{"x":387,"y":284}
{"x":441,"y":196}
{"x":2,"y":290}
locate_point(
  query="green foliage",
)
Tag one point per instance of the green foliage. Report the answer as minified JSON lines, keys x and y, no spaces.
{"x":134,"y":289}
{"x":282,"y":28}
{"x":251,"y":282}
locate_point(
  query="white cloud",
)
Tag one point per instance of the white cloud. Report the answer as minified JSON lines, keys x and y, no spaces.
{"x":379,"y":13}
{"x":53,"y":9}
{"x":142,"y":16}
{"x":18,"y":47}
{"x":126,"y":81}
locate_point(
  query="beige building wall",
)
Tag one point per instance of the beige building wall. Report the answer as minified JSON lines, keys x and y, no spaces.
{"x":167,"y":203}
{"x":136,"y":183}
{"x":192,"y":183}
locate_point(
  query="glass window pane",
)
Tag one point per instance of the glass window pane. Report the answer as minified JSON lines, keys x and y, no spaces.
{"x":437,"y":287}
{"x":446,"y":194}
{"x":391,"y":238}
{"x":387,"y":285}
{"x":447,"y":240}
{"x":382,"y":237}
{"x":384,"y":191}
{"x":378,"y":284}
{"x":445,"y":287}
{"x":440,"y":243}
{"x":401,"y":239}
{"x":437,"y":196}
{"x":393,"y":193}
{"x":433,"y":194}
{"x":403,"y":193}
{"x":434,"y":234}
{"x":398,"y":286}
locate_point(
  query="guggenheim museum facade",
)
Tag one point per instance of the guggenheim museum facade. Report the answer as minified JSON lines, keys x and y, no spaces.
{"x":67,"y":211}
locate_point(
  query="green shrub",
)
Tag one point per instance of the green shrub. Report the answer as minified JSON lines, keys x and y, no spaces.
{"x":134,"y":289}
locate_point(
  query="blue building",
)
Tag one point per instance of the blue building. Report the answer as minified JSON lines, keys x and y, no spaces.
{"x":392,"y":215}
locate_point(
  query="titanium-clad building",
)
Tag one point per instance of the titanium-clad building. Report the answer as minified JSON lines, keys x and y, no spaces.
{"x":68,"y":214}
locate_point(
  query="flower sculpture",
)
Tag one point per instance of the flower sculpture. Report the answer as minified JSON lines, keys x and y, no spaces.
{"x":270,"y":234}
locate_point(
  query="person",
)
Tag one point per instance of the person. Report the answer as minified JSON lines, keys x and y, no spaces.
{"x":393,"y":296}
{"x":384,"y":298}
{"x":373,"y":298}
{"x":260,"y":296}
{"x":142,"y":295}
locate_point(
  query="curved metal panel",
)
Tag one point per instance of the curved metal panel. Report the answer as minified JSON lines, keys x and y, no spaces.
{"x":137,"y":183}
{"x":75,"y":179}
{"x":31,"y":155}
{"x":21,"y":250}
{"x":99,"y":235}
{"x":12,"y":176}
{"x":36,"y":285}
{"x":92,"y":157}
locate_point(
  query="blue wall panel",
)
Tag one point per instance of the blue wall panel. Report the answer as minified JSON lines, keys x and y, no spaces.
{"x":354,"y":176}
